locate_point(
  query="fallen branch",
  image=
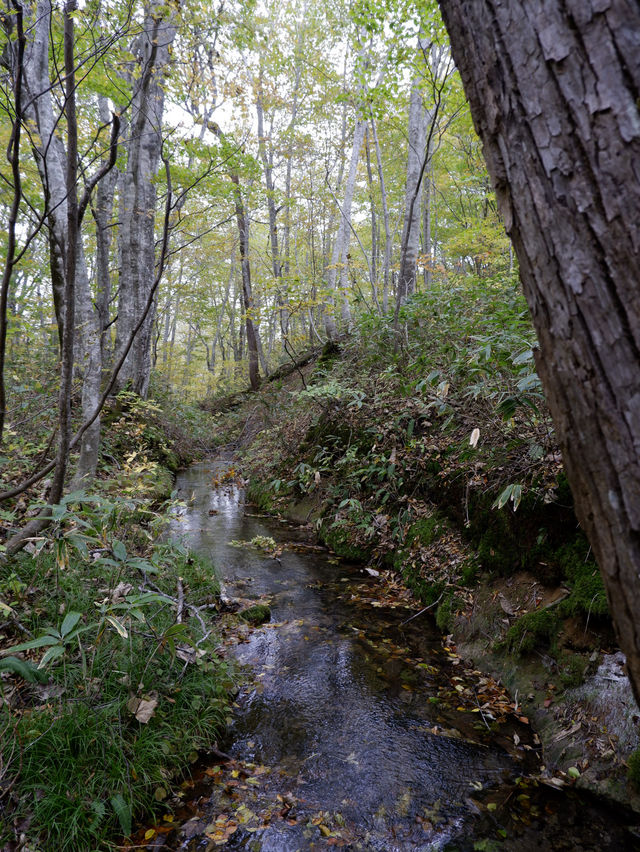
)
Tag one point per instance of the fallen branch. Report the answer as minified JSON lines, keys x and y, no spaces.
{"x":415,"y":615}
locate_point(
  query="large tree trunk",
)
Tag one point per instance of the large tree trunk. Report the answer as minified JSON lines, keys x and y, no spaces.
{"x":138,"y":194}
{"x":553,"y":87}
{"x":53,"y":164}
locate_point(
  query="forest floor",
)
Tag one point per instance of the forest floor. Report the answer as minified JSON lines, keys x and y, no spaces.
{"x":469,"y":511}
{"x":110,"y":680}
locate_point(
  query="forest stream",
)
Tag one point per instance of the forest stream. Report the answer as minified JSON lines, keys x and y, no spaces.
{"x":346,"y":731}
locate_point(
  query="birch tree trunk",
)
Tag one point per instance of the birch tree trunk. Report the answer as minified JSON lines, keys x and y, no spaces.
{"x":52,"y":161}
{"x":385,"y":218}
{"x":338,"y":268}
{"x":138,"y":195}
{"x":553,"y":87}
{"x":413,"y":195}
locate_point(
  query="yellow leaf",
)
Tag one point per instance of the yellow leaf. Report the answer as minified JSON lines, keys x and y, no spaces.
{"x":149,"y":834}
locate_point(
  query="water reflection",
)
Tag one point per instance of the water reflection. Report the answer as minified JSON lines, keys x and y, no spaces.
{"x":332,"y":706}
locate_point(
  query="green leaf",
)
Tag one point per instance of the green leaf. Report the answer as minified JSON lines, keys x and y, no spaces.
{"x":516,"y":495}
{"x":58,"y":511}
{"x":529,"y":382}
{"x":503,"y":499}
{"x":79,"y":542}
{"x":507,"y":408}
{"x":39,"y":642}
{"x":52,"y":654}
{"x":524,"y":357}
{"x":119,"y":550}
{"x":123,"y":812}
{"x":70,"y":621}
{"x":143,"y":565}
{"x":119,"y":626}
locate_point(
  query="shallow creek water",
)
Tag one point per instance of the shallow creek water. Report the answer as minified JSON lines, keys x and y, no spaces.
{"x":340,"y":735}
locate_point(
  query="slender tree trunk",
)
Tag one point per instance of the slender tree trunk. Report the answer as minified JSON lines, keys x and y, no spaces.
{"x":415,"y":167}
{"x":386,"y":270}
{"x":13,"y":155}
{"x":242,"y":220}
{"x":266,"y":157}
{"x":426,"y":228}
{"x":338,"y":269}
{"x":92,"y":319}
{"x":373,"y":267}
{"x":553,"y":87}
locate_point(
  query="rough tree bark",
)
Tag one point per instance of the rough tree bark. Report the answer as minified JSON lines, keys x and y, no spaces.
{"x":553,"y":87}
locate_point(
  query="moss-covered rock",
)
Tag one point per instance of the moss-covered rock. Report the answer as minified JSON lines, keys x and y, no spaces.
{"x":256,"y":614}
{"x":259,"y":494}
{"x":426,"y":530}
{"x":588,"y":597}
{"x":531,"y":630}
{"x":339,"y":538}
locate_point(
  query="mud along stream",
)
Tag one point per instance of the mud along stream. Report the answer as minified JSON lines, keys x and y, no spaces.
{"x":355,"y":728}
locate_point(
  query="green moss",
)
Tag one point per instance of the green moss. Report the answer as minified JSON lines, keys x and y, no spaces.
{"x":259,"y":494}
{"x":331,"y":351}
{"x":339,"y":539}
{"x":256,"y":614}
{"x":531,"y":630}
{"x":572,"y":669}
{"x":499,"y":553}
{"x":588,"y":597}
{"x":469,"y":572}
{"x":633,"y":770}
{"x":444,"y":615}
{"x":426,"y":530}
{"x":171,"y":460}
{"x":499,"y":550}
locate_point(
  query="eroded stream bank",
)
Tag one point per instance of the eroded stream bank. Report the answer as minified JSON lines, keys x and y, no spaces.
{"x":355,"y":727}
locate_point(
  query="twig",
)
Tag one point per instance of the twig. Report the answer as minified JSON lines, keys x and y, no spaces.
{"x":475,"y":696}
{"x":147,"y":585}
{"x":411,"y":617}
{"x":180,"y":601}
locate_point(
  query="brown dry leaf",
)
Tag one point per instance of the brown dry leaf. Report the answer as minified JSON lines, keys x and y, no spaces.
{"x":143,"y":708}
